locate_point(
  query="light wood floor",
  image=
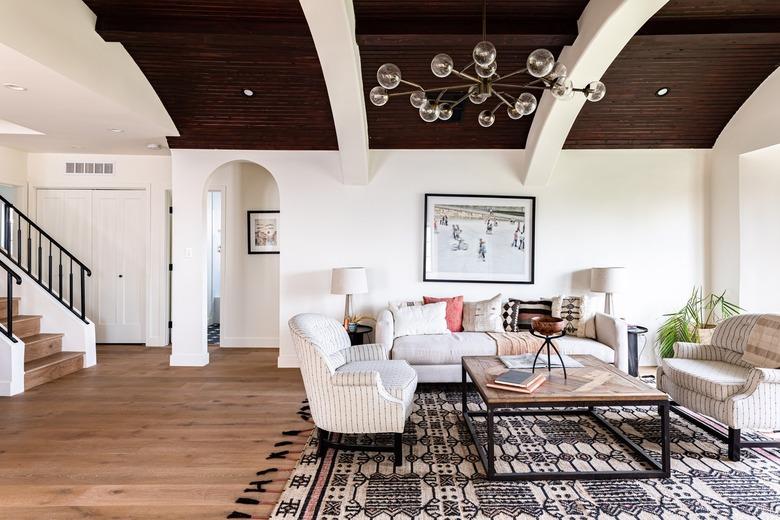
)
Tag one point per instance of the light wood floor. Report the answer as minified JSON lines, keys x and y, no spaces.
{"x":134,"y":438}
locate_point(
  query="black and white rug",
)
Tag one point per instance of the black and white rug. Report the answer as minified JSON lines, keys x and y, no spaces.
{"x":442,"y":478}
{"x":213,"y":334}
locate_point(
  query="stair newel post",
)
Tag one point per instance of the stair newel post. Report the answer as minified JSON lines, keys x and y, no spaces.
{"x":10,"y":306}
{"x":83,"y":315}
{"x":70,"y":284}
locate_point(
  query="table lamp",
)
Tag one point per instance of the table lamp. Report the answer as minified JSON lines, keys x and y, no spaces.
{"x":607,"y":280}
{"x":349,"y":281}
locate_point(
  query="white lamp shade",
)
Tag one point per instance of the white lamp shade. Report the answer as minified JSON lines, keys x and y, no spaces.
{"x":349,"y":280}
{"x":607,"y":279}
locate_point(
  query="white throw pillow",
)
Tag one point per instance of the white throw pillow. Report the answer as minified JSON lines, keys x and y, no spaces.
{"x":420,"y":319}
{"x":484,"y":316}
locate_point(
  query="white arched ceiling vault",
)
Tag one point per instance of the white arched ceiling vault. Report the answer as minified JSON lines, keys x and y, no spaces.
{"x":604,"y":28}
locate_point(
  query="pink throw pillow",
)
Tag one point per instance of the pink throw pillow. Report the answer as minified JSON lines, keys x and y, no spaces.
{"x":454,"y":311}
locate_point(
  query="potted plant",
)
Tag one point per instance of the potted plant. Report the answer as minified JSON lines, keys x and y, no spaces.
{"x":694,"y":323}
{"x":351,"y":322}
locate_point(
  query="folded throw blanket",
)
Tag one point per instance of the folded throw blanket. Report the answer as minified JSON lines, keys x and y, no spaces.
{"x":515,"y":343}
{"x":763,"y":345}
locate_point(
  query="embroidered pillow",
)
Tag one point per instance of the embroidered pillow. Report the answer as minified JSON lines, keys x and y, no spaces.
{"x":517,"y":314}
{"x":454,"y":311}
{"x":484,"y":316}
{"x":578,"y":314}
{"x":419,"y":319}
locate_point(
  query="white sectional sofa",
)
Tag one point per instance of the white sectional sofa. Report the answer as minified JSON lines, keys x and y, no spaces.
{"x":436,"y":357}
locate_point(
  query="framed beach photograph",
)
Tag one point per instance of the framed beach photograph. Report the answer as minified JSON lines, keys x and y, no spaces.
{"x":479,"y":238}
{"x":263,"y":232}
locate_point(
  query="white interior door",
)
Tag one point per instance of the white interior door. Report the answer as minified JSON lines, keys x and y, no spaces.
{"x":105,"y":229}
{"x":119,"y":258}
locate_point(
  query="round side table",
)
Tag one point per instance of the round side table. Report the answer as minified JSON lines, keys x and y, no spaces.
{"x":634,"y":331}
{"x":359,"y":336}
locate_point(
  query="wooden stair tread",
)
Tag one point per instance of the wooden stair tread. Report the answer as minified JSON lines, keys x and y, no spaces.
{"x":48,"y":361}
{"x":22,"y":317}
{"x":43,"y":336}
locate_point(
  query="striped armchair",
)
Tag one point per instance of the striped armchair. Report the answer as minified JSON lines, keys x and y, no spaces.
{"x":351,"y":389}
{"x":714,"y":380}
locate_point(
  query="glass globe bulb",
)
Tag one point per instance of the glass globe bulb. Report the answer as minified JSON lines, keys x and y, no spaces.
{"x":562,"y":89}
{"x":596,"y":91}
{"x":441,"y":65}
{"x":417,"y":98}
{"x":445,"y":112}
{"x":486,"y":118}
{"x":559,"y":70}
{"x":429,"y":112}
{"x":388,"y":75}
{"x":476,"y":97}
{"x":526,"y":103}
{"x":486,"y":72}
{"x":378,"y":96}
{"x":540,"y":63}
{"x":513,"y":113}
{"x":484,"y":53}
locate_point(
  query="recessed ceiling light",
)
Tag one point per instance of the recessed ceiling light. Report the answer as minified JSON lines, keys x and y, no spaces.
{"x":76,"y":147}
{"x":116,"y":130}
{"x":14,"y":86}
{"x":661,"y":92}
{"x":153,"y":146}
{"x":249,"y":92}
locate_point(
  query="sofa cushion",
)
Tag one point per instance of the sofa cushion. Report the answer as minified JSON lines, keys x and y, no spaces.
{"x":714,"y":379}
{"x":444,"y":349}
{"x":572,"y":345}
{"x":398,"y":378}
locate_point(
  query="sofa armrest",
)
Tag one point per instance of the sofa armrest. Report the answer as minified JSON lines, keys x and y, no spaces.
{"x":685,"y":350}
{"x":613,"y":332}
{"x":364,"y":379}
{"x":384,"y":332}
{"x":367,"y":352}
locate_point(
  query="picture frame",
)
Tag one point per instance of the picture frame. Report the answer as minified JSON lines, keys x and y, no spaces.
{"x":262,"y":232}
{"x":479,"y":238}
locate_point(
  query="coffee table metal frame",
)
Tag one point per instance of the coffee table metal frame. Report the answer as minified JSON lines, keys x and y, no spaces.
{"x":584,"y":408}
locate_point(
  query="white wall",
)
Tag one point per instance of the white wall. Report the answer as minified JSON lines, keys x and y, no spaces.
{"x":759,"y":225}
{"x":151,"y":173}
{"x":250,"y":283}
{"x":13,"y":172}
{"x":641,"y":209}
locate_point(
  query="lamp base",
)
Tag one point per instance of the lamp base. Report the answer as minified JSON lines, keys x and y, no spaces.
{"x":348,"y":306}
{"x":608,"y":303}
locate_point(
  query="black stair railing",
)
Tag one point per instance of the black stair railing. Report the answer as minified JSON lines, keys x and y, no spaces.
{"x":11,"y":278}
{"x":36,"y":253}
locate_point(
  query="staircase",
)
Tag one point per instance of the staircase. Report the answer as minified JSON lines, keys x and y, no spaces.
{"x":44,"y":359}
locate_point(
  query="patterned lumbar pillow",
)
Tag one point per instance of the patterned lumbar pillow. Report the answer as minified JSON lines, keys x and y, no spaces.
{"x":577,"y":312}
{"x":484,"y":316}
{"x":517,"y":314}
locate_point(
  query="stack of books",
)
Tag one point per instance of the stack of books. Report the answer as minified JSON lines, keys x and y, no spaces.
{"x":518,"y":381}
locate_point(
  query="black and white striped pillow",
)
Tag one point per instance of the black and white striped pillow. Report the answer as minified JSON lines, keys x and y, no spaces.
{"x":518,"y":313}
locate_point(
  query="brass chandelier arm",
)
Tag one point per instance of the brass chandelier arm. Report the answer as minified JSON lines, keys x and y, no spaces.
{"x":466,"y":76}
{"x":509,"y":85}
{"x":426,"y":90}
{"x":515,"y":73}
{"x":411,"y":84}
{"x":459,"y":101}
{"x":503,"y":100}
{"x":496,"y":107}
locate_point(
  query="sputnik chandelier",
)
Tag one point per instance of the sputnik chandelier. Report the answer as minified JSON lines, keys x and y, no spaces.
{"x":541,"y":65}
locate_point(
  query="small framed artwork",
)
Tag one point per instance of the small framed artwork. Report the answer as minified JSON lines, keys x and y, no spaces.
{"x":263,"y":232}
{"x":479,"y":238}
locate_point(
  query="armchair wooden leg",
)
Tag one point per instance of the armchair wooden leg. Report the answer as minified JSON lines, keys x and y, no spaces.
{"x":322,"y":447}
{"x":735,"y":438}
{"x":397,"y":449}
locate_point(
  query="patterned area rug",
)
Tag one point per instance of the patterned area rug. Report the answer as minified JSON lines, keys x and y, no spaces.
{"x":213,"y":334}
{"x":443,"y":478}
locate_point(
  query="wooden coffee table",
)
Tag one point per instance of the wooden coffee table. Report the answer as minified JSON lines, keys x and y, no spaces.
{"x":595,"y":384}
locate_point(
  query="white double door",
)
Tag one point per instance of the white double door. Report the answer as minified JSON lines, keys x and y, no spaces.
{"x":107,"y":230}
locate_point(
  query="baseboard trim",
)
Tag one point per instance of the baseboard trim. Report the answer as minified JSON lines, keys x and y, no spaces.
{"x":189,"y":360}
{"x":287,"y":361}
{"x":7,"y":389}
{"x":237,"y":342}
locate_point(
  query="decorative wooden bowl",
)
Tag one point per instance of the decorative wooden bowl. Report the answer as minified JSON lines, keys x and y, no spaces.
{"x":547,"y":326}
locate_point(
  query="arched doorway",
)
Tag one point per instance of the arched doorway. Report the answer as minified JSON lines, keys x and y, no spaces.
{"x":241,"y":202}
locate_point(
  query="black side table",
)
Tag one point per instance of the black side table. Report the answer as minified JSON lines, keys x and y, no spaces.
{"x":634,"y":331}
{"x":359,"y":336}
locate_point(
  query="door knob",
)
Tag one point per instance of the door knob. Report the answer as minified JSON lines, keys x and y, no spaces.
{"x":120,"y":276}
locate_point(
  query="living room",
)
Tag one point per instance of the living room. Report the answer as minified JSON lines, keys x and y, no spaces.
{"x":645,"y":175}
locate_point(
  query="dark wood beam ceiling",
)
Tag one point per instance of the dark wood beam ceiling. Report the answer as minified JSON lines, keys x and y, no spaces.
{"x":200,"y":54}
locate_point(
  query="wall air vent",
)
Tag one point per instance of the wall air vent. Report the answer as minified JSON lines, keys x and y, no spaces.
{"x":89,"y":168}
